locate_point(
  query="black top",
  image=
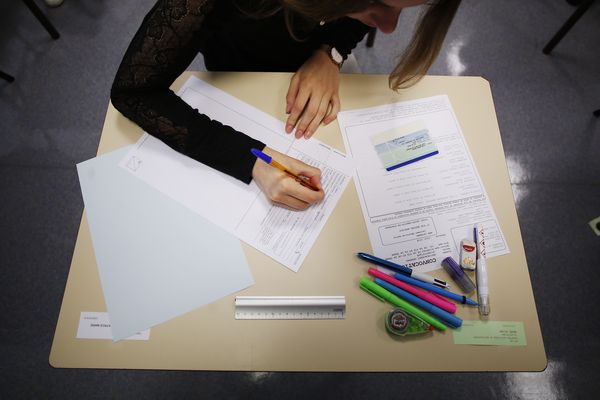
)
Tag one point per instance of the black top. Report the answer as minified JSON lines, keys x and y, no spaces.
{"x":230,"y":39}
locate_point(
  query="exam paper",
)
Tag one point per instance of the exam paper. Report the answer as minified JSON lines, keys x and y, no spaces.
{"x":286,"y":236}
{"x":417,"y":214}
{"x":156,"y":259}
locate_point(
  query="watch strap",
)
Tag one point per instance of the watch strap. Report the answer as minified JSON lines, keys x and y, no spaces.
{"x":334,"y":55}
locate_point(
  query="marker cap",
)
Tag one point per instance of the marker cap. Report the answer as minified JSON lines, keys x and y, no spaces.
{"x":457,"y":274}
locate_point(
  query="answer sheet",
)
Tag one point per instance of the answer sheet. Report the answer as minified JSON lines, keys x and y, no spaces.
{"x":417,"y":214}
{"x":286,"y":236}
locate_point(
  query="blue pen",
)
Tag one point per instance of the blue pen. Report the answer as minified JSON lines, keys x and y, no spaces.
{"x":442,"y":292}
{"x":402,"y":269}
{"x":444,"y":316}
{"x":269,"y":160}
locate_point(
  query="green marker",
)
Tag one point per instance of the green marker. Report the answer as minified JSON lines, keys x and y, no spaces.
{"x":382,"y":294}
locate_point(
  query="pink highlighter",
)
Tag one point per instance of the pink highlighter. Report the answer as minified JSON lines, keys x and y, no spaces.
{"x":420,"y":293}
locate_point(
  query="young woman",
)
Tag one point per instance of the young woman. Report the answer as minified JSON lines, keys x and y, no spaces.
{"x":311,"y":38}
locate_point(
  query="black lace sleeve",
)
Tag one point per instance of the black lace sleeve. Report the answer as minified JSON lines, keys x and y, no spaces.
{"x":163,"y":47}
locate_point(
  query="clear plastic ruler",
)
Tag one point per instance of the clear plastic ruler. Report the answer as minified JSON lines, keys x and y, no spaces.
{"x":290,"y":307}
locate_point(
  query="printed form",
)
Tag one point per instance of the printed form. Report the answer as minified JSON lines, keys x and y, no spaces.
{"x":243,"y":210}
{"x":417,"y":214}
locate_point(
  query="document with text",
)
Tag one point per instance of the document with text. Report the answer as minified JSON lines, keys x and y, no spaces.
{"x":417,"y":213}
{"x":286,"y":236}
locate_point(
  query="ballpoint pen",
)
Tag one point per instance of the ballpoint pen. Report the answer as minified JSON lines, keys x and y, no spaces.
{"x":444,"y":317}
{"x":382,"y":294}
{"x":402,"y":269}
{"x":483,"y":294}
{"x":269,"y":160}
{"x":442,"y":292}
{"x":420,"y":293}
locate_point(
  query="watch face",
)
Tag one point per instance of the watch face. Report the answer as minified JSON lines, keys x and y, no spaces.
{"x":336,"y":56}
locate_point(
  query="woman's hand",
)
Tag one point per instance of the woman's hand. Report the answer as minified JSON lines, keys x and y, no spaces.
{"x":284,"y":190}
{"x":312,"y":97}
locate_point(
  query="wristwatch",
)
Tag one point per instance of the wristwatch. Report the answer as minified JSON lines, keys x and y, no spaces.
{"x":334,"y":56}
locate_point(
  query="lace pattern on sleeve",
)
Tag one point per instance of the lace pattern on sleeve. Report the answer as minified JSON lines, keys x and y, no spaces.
{"x":161,"y":49}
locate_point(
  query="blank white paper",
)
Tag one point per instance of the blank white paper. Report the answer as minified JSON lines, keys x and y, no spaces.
{"x":156,"y":258}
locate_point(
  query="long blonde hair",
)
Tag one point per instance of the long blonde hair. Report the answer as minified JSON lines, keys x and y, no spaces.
{"x":425,"y":44}
{"x":418,"y":56}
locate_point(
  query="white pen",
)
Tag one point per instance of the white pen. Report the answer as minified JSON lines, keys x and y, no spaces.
{"x":483,"y":293}
{"x":430,"y":279}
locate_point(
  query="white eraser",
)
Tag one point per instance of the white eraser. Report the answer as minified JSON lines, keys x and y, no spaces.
{"x":468,"y":254}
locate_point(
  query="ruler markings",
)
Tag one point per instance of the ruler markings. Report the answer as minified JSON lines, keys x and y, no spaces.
{"x":290,"y":307}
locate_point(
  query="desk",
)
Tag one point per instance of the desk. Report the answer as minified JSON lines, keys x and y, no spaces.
{"x":210,"y":338}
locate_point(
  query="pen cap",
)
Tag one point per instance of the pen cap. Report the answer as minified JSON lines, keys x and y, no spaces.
{"x":372,"y":288}
{"x":457,"y":274}
{"x":484,"y":305}
{"x":265,"y":157}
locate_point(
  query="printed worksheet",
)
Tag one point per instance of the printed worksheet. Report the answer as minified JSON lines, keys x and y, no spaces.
{"x":286,"y":236}
{"x":418,"y":210}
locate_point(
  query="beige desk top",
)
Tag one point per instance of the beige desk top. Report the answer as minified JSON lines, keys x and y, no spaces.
{"x":210,"y":338}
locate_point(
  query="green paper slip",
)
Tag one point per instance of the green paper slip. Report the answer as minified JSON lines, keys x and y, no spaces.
{"x":491,"y":333}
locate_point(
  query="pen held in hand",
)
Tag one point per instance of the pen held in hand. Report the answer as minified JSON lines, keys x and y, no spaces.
{"x":304,"y":181}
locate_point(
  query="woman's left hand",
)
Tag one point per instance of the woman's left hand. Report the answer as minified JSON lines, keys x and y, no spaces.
{"x":312,"y":98}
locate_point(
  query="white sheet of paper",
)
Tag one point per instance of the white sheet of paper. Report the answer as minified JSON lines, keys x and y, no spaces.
{"x":286,"y":236}
{"x":417,"y":215}
{"x":156,"y":258}
{"x":96,"y":325}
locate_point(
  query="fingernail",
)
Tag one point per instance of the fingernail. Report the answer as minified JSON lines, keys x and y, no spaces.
{"x":288,"y":128}
{"x":307,"y":134}
{"x":299,"y":134}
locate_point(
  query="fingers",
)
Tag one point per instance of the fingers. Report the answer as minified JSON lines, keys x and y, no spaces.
{"x":296,"y":111}
{"x":312,"y":98}
{"x":292,"y":204}
{"x":296,"y":196}
{"x":308,"y":113}
{"x":334,"y":108}
{"x":284,"y":190}
{"x":312,"y":174}
{"x":312,"y":117}
{"x":293,"y":193}
{"x":290,"y":97}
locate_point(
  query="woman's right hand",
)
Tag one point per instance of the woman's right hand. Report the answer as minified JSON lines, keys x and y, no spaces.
{"x":281,"y":188}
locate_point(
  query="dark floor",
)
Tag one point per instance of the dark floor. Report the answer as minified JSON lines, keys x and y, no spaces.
{"x":51,"y":118}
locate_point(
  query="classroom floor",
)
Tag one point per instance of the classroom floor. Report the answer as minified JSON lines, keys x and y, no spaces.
{"x":52,"y":115}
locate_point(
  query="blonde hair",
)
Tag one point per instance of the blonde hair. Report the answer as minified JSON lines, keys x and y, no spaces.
{"x":425,"y":44}
{"x":416,"y":59}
